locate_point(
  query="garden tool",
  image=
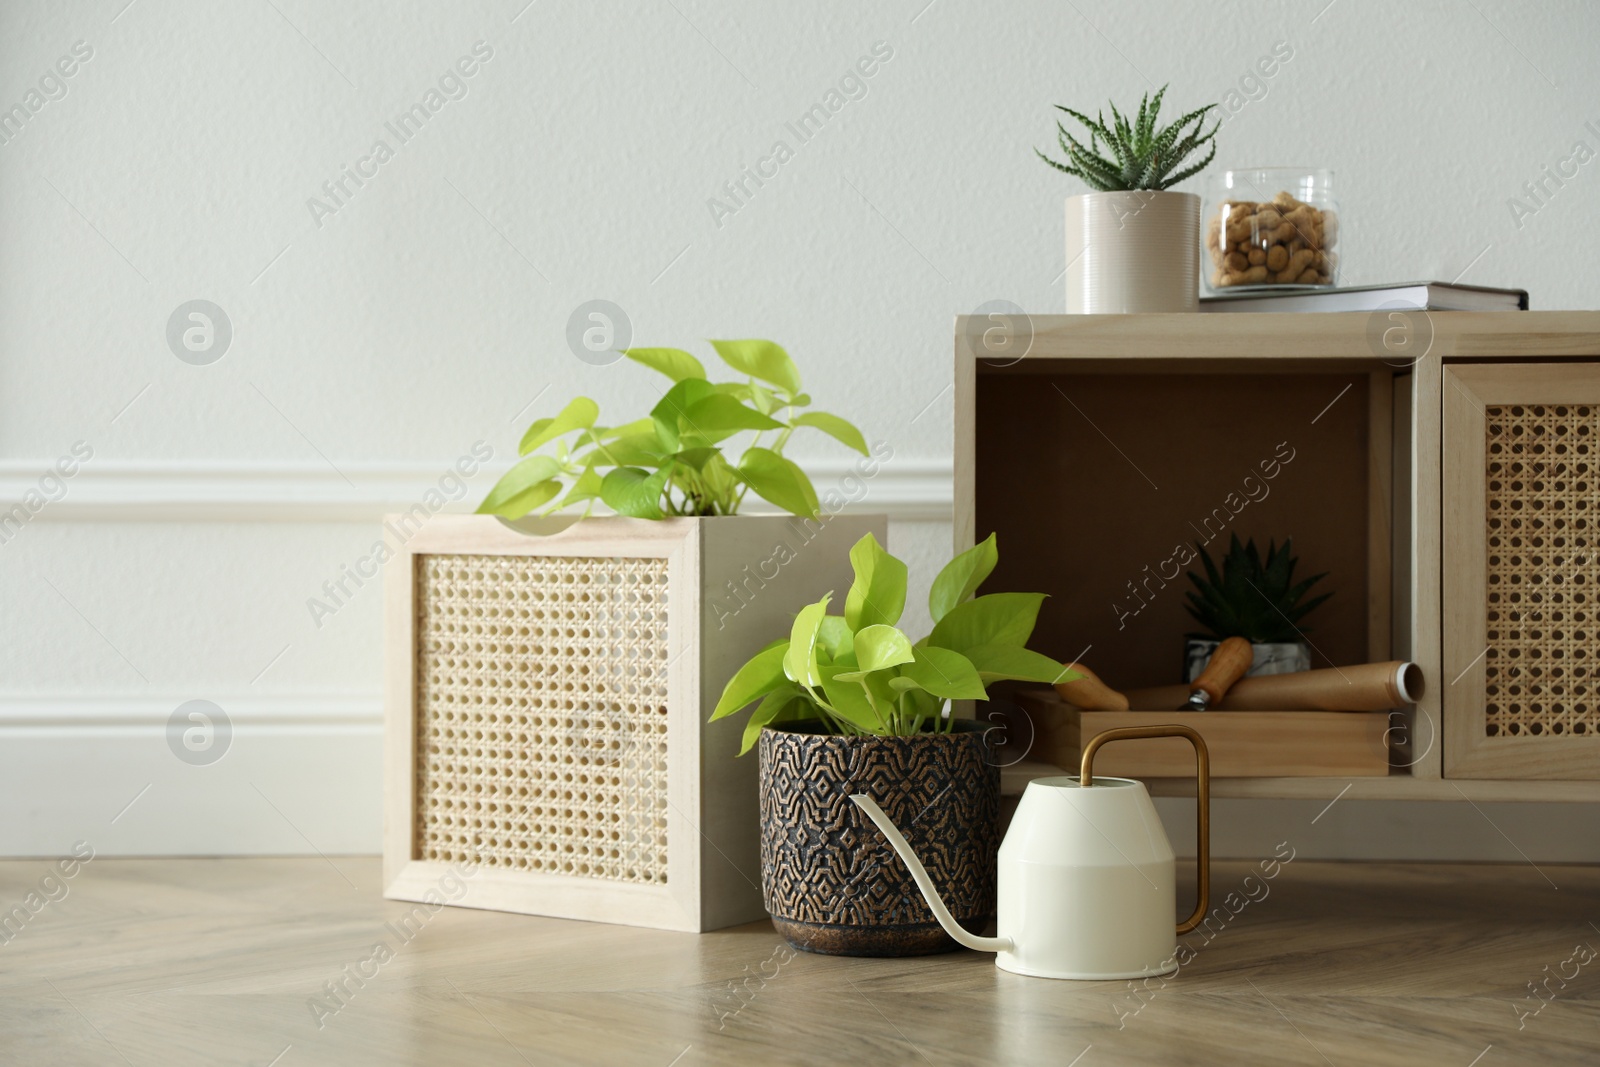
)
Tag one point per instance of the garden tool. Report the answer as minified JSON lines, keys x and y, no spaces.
{"x":1361,"y":687}
{"x":1089,"y":692}
{"x":1227,"y":665}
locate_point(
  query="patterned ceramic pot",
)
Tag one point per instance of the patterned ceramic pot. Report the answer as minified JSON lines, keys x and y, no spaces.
{"x":832,"y":884}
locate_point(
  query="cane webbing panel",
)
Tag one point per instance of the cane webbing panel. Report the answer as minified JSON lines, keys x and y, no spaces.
{"x":1543,"y":502}
{"x":541,"y":734}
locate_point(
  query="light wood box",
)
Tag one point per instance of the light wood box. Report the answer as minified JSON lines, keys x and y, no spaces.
{"x":1241,"y":744}
{"x":546,"y":706}
{"x":1094,"y":444}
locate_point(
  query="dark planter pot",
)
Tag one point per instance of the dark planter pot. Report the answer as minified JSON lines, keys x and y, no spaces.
{"x":832,"y":884}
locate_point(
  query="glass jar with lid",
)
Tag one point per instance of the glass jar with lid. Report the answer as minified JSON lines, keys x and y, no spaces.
{"x":1271,"y":228}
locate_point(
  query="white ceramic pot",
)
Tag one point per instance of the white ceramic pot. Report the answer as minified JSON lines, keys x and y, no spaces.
{"x":1133,"y":251}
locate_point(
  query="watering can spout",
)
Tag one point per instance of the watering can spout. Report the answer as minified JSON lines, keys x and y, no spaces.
{"x":924,"y":883}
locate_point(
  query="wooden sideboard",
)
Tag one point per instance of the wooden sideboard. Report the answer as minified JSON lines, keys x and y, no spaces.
{"x":1442,"y":467}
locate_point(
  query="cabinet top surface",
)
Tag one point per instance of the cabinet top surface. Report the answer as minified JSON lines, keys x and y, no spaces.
{"x":1393,"y":337}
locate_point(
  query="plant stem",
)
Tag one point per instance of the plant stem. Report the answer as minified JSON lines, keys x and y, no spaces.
{"x":604,"y":451}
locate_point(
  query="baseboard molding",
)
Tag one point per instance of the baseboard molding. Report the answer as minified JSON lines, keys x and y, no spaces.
{"x":1397,"y":831}
{"x":303,"y":776}
{"x":113,"y":490}
{"x":299,"y":776}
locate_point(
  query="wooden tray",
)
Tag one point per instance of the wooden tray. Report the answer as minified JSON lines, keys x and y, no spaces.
{"x":1242,"y":744}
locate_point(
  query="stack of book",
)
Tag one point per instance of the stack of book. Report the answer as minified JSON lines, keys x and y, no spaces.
{"x":1418,"y":296}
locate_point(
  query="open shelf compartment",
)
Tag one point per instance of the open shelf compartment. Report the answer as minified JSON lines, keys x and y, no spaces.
{"x":1113,"y":440}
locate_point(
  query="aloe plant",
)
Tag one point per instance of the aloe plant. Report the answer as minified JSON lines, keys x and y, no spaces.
{"x":859,"y":673}
{"x":671,"y":462}
{"x":1138,"y":154}
{"x":1252,"y":598}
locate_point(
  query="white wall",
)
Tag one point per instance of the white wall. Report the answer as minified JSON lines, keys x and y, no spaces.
{"x":373,"y":346}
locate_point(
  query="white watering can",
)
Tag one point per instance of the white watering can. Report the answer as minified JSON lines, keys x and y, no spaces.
{"x":1086,"y":874}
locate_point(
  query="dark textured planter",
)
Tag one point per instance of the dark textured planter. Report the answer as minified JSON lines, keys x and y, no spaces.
{"x":832,"y":884}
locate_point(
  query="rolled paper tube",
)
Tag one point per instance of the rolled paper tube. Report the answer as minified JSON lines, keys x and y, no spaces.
{"x":1089,"y":693}
{"x":1364,"y":687}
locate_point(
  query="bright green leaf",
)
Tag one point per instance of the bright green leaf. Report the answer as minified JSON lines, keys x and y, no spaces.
{"x":675,"y":363}
{"x":800,"y":660}
{"x":696,"y":458}
{"x":915,"y":702}
{"x":879,"y":692}
{"x":878,"y":685}
{"x":757,"y":396}
{"x":945,"y":674}
{"x":719,"y":416}
{"x":577,"y":415}
{"x":836,"y":636}
{"x":535,"y":430}
{"x":637,"y":426}
{"x":529,"y":499}
{"x":996,"y":619}
{"x":779,"y":481}
{"x":961,"y":577}
{"x":878,"y":594}
{"x":1014,"y":663}
{"x":879,"y":646}
{"x":761,"y":359}
{"x":850,"y":701}
{"x":720,"y":479}
{"x":762,"y":398}
{"x":776,"y":706}
{"x":762,"y":674}
{"x":669,"y":410}
{"x":522,"y":488}
{"x":635,"y":450}
{"x":585,"y":488}
{"x":635,"y":492}
{"x":834,"y":427}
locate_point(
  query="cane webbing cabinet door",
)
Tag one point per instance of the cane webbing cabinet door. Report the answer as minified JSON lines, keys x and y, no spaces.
{"x":1521,"y":540}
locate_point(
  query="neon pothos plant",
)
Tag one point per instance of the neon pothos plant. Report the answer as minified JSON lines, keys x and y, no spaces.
{"x":671,"y":462}
{"x":860,"y":674}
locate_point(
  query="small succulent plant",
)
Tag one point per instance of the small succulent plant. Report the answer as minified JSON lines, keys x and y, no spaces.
{"x":1141,"y":156}
{"x":1251,"y":598}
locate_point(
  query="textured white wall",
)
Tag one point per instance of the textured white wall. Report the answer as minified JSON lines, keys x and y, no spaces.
{"x":374,"y":345}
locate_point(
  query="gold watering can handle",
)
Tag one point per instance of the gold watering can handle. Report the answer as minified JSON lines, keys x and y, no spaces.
{"x":1202,"y":761}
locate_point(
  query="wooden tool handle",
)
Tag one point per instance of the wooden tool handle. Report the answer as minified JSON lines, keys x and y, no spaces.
{"x":1089,"y":693}
{"x":1227,"y":665}
{"x":1361,"y":687}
